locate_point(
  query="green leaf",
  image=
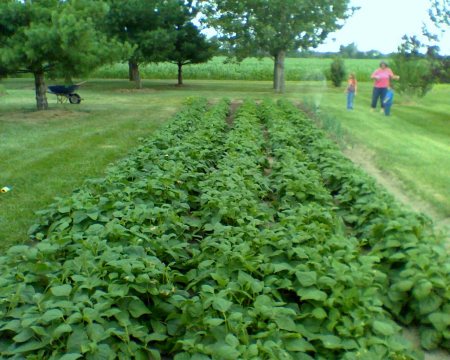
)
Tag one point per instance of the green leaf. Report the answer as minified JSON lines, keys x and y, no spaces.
{"x":440,"y":320}
{"x":39,"y":330}
{"x":298,"y":345}
{"x":312,"y":294}
{"x":71,"y":356}
{"x":96,"y":332}
{"x":62,"y":290}
{"x":285,"y":323}
{"x":17,"y":250}
{"x":24,"y":335}
{"x":223,"y":351}
{"x":64,"y":209}
{"x":27,"y":347}
{"x":319,"y":313}
{"x":200,"y":357}
{"x":326,"y":281}
{"x":422,"y":289}
{"x":104,"y":352}
{"x":74,"y":318}
{"x":156,"y":337}
{"x":137,"y":308}
{"x":277,"y":267}
{"x":51,"y":315}
{"x":430,"y":304}
{"x":182,"y":356}
{"x":207,"y":289}
{"x":13,"y":325}
{"x":213,"y":322}
{"x":383,"y":328}
{"x":331,"y":341}
{"x":404,"y":285}
{"x":77,"y":339}
{"x":61,"y":329}
{"x":429,"y":338}
{"x":306,"y":278}
{"x":232,"y":340}
{"x":221,"y":304}
{"x":118,"y":290}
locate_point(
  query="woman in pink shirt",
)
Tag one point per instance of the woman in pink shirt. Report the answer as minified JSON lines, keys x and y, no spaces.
{"x":382,"y":77}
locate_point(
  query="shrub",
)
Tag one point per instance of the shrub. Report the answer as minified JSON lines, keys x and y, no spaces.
{"x":337,"y":72}
{"x":415,"y":70}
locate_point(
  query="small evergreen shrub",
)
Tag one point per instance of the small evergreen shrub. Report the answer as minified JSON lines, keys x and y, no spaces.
{"x":337,"y":72}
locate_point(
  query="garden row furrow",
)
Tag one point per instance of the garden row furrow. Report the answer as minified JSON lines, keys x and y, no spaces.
{"x":411,"y":255}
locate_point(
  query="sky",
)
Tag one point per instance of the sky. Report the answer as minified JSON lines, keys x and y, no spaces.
{"x":380,"y":25}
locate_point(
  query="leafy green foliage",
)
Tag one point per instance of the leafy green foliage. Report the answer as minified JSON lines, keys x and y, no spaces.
{"x":155,"y":29}
{"x":411,"y":255}
{"x":218,"y":240}
{"x":274,"y":27}
{"x":337,"y":71}
{"x":415,"y":70}
{"x":141,"y":23}
{"x":56,"y":36}
{"x":191,"y":47}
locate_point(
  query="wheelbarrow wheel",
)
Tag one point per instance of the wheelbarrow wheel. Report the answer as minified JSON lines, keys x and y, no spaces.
{"x":74,"y":98}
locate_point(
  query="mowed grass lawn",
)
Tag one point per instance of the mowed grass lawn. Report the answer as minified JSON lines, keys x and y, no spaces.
{"x":49,"y":154}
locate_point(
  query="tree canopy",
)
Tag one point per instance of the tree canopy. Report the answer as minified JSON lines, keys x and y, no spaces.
{"x":150,"y":26}
{"x":273,"y":27}
{"x":53,"y":36}
{"x":191,"y":47}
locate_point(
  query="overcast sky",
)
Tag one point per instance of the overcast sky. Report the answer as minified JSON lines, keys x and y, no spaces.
{"x":380,"y":25}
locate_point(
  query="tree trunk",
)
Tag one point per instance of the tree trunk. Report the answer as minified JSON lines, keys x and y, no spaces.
{"x":130,"y":71}
{"x":180,"y":74}
{"x":280,"y":71}
{"x":40,"y":88}
{"x":133,"y":71}
{"x":68,"y":79}
{"x":275,"y":71}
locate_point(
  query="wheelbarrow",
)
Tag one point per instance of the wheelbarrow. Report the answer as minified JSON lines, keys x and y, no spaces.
{"x":65,"y":92}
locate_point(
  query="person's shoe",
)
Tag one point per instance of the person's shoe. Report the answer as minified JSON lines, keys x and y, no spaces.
{"x":372,"y":109}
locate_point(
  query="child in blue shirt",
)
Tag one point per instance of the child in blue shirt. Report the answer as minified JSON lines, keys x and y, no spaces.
{"x":387,"y":101}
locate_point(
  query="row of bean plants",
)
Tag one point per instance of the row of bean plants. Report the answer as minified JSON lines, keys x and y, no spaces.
{"x":335,"y":284}
{"x":411,"y":255}
{"x":99,"y":283}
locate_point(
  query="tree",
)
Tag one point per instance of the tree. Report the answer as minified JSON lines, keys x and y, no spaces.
{"x":274,"y":27}
{"x":414,"y":68}
{"x":350,"y":51}
{"x":419,"y":64}
{"x":439,"y":15}
{"x":191,"y":47}
{"x":52,"y":35}
{"x":149,"y":25}
{"x":337,"y":71}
